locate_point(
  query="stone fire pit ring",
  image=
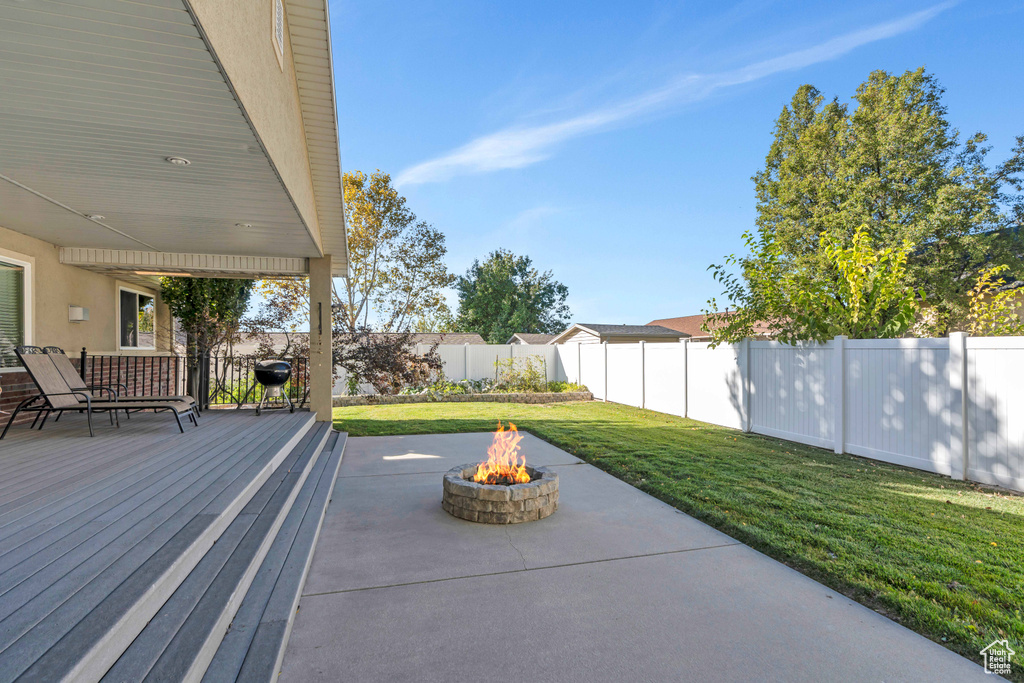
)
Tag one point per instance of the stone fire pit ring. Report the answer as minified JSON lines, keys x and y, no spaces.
{"x":496,"y":503}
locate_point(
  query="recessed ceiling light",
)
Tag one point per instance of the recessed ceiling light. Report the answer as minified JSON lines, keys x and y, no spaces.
{"x":243,"y":225}
{"x":95,"y":217}
{"x":178,"y":161}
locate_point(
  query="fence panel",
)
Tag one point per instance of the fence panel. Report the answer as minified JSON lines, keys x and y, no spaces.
{"x":791,"y":392}
{"x":482,"y":359}
{"x":454,"y":358}
{"x":625,"y":381}
{"x":567,"y":359}
{"x":995,"y":410}
{"x":592,"y":368}
{"x":714,"y":385}
{"x":897,"y":402}
{"x":543,"y":351}
{"x":665,"y":378}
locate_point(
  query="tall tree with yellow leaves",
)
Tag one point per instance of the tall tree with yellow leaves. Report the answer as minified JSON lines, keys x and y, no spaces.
{"x":396,"y":264}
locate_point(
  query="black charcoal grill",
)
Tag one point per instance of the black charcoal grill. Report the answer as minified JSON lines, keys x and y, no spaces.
{"x":272,"y":375}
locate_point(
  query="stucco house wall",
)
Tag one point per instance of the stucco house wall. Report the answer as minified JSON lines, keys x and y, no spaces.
{"x":55,"y":286}
{"x":241,"y":34}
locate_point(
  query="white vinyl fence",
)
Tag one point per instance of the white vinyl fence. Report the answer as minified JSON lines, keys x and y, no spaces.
{"x":953,"y":406}
{"x":475,"y":361}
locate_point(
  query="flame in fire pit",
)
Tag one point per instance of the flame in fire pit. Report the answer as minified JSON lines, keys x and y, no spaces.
{"x":503,"y":464}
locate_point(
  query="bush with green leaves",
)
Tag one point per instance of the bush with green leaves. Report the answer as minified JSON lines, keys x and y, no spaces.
{"x":558,"y":387}
{"x":527,"y":374}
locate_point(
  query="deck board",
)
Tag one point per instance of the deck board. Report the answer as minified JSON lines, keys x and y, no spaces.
{"x":88,"y":524}
{"x":114,"y":521}
{"x":50,"y":507}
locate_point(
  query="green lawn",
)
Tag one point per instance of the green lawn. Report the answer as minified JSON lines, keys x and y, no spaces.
{"x":939,"y":556}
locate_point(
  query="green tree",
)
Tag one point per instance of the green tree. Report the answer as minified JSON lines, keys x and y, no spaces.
{"x":895,"y":164}
{"x":397,"y":272}
{"x":867,"y":298}
{"x":209,"y":310}
{"x":438,"y":321}
{"x":505,"y":294}
{"x":997,"y":307}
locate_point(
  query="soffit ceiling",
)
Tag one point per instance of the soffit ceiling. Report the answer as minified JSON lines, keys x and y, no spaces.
{"x":96,"y":94}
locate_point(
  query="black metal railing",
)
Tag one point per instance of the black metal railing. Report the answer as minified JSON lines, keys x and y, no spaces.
{"x":232,"y":380}
{"x":139,"y":375}
{"x":213,"y":380}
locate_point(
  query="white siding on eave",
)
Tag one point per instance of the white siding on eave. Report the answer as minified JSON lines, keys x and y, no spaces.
{"x":579,"y":336}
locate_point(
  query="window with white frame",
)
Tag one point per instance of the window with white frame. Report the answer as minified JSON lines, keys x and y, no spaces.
{"x":136,"y":319}
{"x":15,"y":307}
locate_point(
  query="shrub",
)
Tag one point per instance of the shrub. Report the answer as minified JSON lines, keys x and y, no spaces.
{"x":437,"y":389}
{"x":521,"y":375}
{"x":565,"y":387}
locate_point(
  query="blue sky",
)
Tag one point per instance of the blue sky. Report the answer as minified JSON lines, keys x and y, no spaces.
{"x":614,"y":142}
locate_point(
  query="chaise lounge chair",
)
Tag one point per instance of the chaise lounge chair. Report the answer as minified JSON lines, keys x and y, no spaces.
{"x":55,"y":396}
{"x":67,"y":370}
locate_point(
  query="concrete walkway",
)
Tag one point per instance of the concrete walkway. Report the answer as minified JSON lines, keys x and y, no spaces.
{"x":615,"y":586}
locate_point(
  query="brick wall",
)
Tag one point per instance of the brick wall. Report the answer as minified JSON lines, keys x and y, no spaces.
{"x":17,"y":386}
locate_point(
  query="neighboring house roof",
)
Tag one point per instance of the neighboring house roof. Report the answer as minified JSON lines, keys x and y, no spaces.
{"x":638,"y":331}
{"x":691,"y":325}
{"x":687,"y":324}
{"x":530,"y":338}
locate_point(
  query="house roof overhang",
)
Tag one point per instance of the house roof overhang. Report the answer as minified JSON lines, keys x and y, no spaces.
{"x":99,"y":98}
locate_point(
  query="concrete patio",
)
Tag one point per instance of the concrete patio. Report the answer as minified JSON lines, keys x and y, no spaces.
{"x":614,"y":586}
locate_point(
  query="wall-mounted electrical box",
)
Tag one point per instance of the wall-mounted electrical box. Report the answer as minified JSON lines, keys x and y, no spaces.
{"x":77,"y":314}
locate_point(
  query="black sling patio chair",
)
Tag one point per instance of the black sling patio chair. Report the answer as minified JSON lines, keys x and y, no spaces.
{"x":67,"y":370}
{"x":55,"y":396}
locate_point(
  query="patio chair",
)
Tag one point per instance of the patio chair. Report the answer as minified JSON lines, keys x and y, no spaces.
{"x":67,"y":370}
{"x":55,"y":396}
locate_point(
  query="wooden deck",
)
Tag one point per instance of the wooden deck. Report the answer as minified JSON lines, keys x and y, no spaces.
{"x":97,"y":534}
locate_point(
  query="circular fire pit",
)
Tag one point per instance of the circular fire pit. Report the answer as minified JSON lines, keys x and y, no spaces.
{"x":499,"y":503}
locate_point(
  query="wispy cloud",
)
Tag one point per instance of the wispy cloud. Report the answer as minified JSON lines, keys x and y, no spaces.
{"x":519,"y":146}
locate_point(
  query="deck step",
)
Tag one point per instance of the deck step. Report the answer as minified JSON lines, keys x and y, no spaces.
{"x":73,"y":615}
{"x":254,"y":647}
{"x":181,"y":639}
